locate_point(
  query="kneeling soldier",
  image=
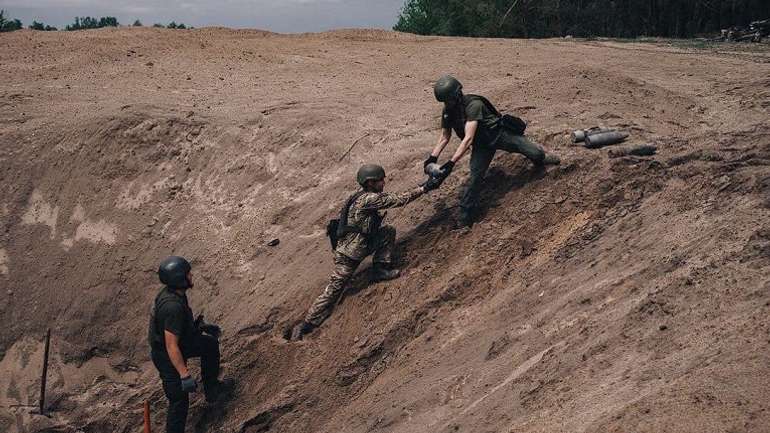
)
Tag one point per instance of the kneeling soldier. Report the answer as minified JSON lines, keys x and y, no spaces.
{"x":362,"y":234}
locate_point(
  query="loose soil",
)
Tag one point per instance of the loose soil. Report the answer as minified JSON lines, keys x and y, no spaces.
{"x":603,"y":295}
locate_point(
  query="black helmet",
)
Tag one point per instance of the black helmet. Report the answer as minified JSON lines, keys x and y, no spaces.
{"x":370,"y":172}
{"x":173,"y":272}
{"x":447,"y":88}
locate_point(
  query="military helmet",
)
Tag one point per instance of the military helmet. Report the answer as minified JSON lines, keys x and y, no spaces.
{"x":370,"y":172}
{"x":173,"y":272}
{"x":447,"y":88}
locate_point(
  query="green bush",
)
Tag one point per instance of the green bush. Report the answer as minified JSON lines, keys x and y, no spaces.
{"x":108,"y":22}
{"x":42,"y":27}
{"x":174,"y":25}
{"x":83,"y":23}
{"x":8,"y":25}
{"x":417,"y":16}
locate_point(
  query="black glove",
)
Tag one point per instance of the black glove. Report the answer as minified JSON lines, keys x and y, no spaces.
{"x":198,"y":321}
{"x":189,"y":384}
{"x":432,"y":183}
{"x":431,"y":160}
{"x":213,"y":330}
{"x":447,"y":168}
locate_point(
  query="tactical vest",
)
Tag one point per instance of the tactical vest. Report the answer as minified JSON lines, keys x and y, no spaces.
{"x":156,"y":333}
{"x":337,"y":228}
{"x":512,"y":123}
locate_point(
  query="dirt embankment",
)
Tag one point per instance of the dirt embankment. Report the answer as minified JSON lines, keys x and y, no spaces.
{"x":624,"y":294}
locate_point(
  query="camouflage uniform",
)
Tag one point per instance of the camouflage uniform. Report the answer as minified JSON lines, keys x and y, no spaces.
{"x":354,"y":247}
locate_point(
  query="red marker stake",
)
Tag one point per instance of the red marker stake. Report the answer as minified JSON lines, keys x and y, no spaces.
{"x":147,"y":417}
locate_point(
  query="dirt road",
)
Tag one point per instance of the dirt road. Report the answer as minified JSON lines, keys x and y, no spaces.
{"x":608,"y":295}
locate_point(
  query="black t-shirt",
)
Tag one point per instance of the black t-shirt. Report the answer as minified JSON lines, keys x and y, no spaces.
{"x":171,"y":313}
{"x":472,"y":108}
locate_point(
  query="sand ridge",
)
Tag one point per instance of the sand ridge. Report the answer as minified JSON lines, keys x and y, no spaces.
{"x":623,"y":294}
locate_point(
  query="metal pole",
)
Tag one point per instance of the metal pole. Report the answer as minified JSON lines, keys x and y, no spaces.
{"x":45,"y":371}
{"x":147,"y":417}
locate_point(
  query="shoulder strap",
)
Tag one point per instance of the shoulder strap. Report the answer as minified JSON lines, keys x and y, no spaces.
{"x":486,"y":102}
{"x":343,"y":228}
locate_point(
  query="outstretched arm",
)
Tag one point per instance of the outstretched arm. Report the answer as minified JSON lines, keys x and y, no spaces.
{"x":443,"y":140}
{"x":384,"y":200}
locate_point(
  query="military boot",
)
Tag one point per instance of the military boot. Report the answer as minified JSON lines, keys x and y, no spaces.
{"x":380,"y":272}
{"x":219,"y":390}
{"x":301,"y":329}
{"x":551,"y":159}
{"x":465,"y":219}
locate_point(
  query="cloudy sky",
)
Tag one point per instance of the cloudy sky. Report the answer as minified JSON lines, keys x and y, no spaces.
{"x":274,"y":15}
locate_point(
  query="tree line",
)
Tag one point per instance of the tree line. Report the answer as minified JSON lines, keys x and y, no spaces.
{"x":582,"y":18}
{"x":80,"y":23}
{"x":8,"y":25}
{"x":83,"y":23}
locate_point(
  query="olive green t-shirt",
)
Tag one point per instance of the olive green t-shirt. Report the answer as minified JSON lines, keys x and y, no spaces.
{"x":474,"y":109}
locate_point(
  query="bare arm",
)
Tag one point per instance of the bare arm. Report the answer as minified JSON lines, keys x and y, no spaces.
{"x":175,"y":354}
{"x":470,"y":134}
{"x":443,"y":140}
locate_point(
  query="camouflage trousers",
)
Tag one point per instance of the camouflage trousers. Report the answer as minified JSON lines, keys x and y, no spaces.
{"x":344,"y":269}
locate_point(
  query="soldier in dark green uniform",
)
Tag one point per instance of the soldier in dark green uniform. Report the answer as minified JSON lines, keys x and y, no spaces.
{"x":477,"y":123}
{"x":364,"y":235}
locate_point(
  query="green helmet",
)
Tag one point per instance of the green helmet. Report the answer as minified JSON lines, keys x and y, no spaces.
{"x":370,"y":172}
{"x":447,"y":88}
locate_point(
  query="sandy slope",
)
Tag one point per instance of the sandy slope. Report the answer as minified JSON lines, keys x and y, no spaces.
{"x":604,"y":295}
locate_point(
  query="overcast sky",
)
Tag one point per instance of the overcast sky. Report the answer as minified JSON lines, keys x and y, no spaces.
{"x":274,"y":15}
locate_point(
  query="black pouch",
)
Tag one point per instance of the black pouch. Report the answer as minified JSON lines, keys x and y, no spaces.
{"x":338,"y":227}
{"x":513,"y":124}
{"x":331,"y":232}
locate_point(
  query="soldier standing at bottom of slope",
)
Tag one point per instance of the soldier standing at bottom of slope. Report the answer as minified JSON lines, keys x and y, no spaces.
{"x":175,"y":337}
{"x":361,"y":233}
{"x":480,"y":126}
